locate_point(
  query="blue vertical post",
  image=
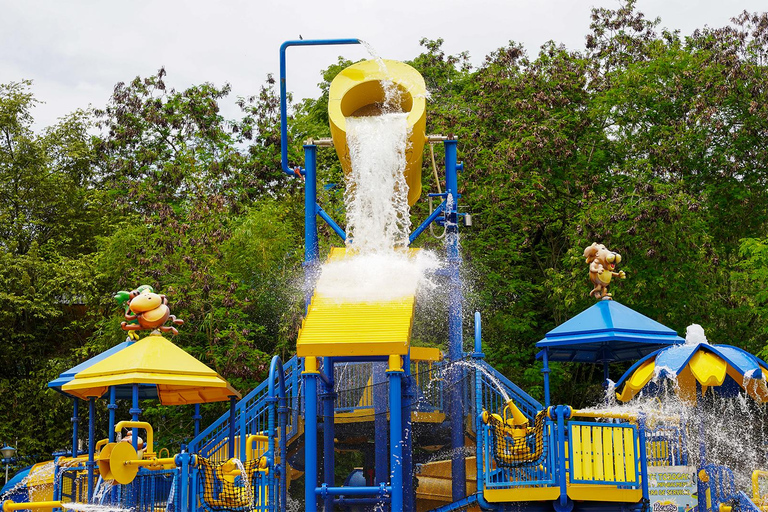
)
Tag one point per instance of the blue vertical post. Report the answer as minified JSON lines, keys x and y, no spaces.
{"x":545,"y":371}
{"x":328,"y":431}
{"x":282,"y":422}
{"x":310,"y":434}
{"x":408,"y":395}
{"x":480,"y":441}
{"x":311,"y":251}
{"x":562,"y":412}
{"x":232,"y":414}
{"x":197,"y":417}
{"x":395,"y":372}
{"x":381,"y":454}
{"x":642,"y":456}
{"x":112,"y":408}
{"x":91,"y":443}
{"x":75,"y":422}
{"x":455,"y":345}
{"x":135,"y":411}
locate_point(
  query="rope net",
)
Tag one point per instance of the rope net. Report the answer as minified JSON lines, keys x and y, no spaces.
{"x":231,"y":485}
{"x":517,"y":446}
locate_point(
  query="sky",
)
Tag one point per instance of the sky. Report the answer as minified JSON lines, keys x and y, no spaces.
{"x":75,"y":51}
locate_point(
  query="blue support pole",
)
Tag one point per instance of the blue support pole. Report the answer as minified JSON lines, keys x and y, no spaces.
{"x":545,"y":371}
{"x":455,"y":342}
{"x":135,"y":411}
{"x":395,"y":436}
{"x":311,"y":250}
{"x":310,"y":435}
{"x":381,"y":454}
{"x":75,"y":422}
{"x":641,"y":454}
{"x":232,"y":414}
{"x":197,"y":417}
{"x":328,"y":431}
{"x":408,"y":395}
{"x":112,"y":408}
{"x":91,"y":443}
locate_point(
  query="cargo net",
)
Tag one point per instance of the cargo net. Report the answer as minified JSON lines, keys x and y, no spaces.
{"x":231,"y":485}
{"x":515,"y":446}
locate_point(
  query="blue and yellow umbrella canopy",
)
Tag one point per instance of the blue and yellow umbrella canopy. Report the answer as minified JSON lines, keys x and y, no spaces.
{"x":723,"y":368}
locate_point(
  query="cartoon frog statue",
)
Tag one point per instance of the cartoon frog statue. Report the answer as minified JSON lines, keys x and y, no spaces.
{"x":602,"y":262}
{"x":145,"y":309}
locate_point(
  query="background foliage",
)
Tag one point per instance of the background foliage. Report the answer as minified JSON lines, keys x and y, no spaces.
{"x":653,"y":143}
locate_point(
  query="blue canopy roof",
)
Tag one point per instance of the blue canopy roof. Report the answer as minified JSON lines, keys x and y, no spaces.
{"x":146,"y":391}
{"x":606,"y":332}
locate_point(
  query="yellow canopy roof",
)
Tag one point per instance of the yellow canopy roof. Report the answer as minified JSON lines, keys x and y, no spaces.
{"x":179,"y":377}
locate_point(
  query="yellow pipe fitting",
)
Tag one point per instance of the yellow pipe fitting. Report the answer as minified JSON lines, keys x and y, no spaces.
{"x":101,"y":444}
{"x":395,"y":363}
{"x":310,"y":364}
{"x":149,"y":452}
{"x":756,"y":474}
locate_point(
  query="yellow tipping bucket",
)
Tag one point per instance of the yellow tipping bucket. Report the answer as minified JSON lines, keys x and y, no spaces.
{"x":357,"y":91}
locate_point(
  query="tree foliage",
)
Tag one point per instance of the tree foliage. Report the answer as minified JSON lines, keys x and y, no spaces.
{"x":649,"y":141}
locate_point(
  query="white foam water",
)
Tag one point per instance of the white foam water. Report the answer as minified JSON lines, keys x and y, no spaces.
{"x":378,"y":268}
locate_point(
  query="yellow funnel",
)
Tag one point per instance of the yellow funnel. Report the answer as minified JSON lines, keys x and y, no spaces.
{"x":357,"y":91}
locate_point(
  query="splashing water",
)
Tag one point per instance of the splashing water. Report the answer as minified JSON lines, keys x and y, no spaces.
{"x":731,"y":429}
{"x":378,"y":217}
{"x":378,"y":268}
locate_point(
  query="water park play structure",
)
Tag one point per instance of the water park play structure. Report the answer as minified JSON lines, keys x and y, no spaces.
{"x":434,"y":431}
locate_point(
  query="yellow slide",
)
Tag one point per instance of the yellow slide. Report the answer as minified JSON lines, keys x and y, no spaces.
{"x":344,"y":328}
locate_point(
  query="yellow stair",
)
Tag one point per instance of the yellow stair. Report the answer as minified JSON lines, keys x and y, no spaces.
{"x":343,"y":328}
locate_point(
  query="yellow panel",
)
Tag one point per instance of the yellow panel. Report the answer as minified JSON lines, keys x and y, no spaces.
{"x":426,"y":354}
{"x":637,"y":380}
{"x":357,"y":91}
{"x":686,"y":384}
{"x":596,"y":492}
{"x":608,"y":454}
{"x":597,"y":448}
{"x":629,"y":454}
{"x":708,"y":368}
{"x":521,"y":494}
{"x":577,"y":455}
{"x":586,"y":451}
{"x":618,"y":454}
{"x":375,"y":328}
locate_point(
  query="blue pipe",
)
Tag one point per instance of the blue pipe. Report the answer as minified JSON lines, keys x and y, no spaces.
{"x":381,"y":455}
{"x":332,"y":223}
{"x":395,"y":439}
{"x":328,"y":430}
{"x":75,"y":422}
{"x":380,"y":490}
{"x":112,"y":408}
{"x":408,"y":395}
{"x":310,"y":205}
{"x":275,"y":370}
{"x":91,"y":443}
{"x":197,"y":417}
{"x":232,"y":411}
{"x":135,"y":411}
{"x":642,"y":455}
{"x":545,"y":371}
{"x":455,"y":349}
{"x":310,"y":441}
{"x":284,"y":92}
{"x":424,"y":225}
